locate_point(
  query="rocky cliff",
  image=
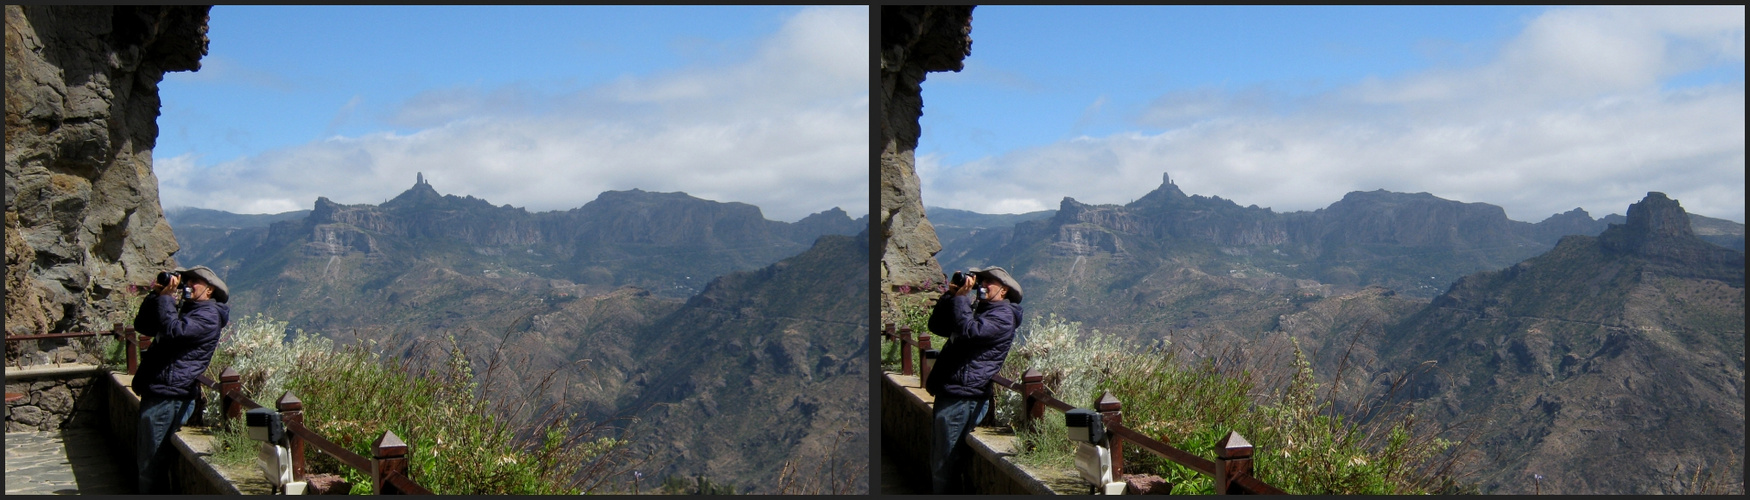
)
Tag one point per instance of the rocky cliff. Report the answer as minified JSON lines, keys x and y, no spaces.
{"x":341,"y":266}
{"x":82,"y":214}
{"x":915,"y":40}
{"x":1609,"y":365}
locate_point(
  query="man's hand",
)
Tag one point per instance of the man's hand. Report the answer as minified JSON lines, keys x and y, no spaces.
{"x":963,"y":287}
{"x":170,"y":289}
{"x":967,"y":286}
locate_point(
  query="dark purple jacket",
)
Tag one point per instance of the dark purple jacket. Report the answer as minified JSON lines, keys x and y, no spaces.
{"x":183,"y":344}
{"x":979,"y":334}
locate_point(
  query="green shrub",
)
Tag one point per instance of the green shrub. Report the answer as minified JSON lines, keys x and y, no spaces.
{"x":257,"y":347}
{"x":1071,"y":364}
{"x":1301,"y":448}
{"x":458,"y":443}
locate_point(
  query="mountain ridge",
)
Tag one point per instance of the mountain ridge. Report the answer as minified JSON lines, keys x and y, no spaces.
{"x":1630,"y":340}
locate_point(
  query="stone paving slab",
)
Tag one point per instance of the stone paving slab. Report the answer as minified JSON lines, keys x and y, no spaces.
{"x":66,"y":462}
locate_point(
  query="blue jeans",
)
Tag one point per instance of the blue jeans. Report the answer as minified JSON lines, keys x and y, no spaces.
{"x":954,"y":418}
{"x":160,"y":418}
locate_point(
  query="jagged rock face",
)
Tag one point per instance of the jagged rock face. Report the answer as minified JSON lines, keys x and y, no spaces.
{"x":1414,"y":220}
{"x":915,"y":40}
{"x":82,"y":213}
{"x":634,"y":217}
{"x":1575,"y":221}
{"x":1598,"y":364}
{"x":1658,"y":230}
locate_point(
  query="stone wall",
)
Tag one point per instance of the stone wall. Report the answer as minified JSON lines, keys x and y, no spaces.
{"x":915,"y":40}
{"x":55,"y":397}
{"x":83,"y":219}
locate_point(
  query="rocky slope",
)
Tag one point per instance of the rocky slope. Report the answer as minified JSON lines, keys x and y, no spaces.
{"x":1609,"y":365}
{"x":357,"y":255}
{"x":765,"y":369}
{"x":1415,"y":244}
{"x":82,"y":214}
{"x":1647,"y":301}
{"x":915,"y":40}
{"x":602,"y":298}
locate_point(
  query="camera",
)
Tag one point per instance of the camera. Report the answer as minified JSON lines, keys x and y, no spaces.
{"x":960,"y":277}
{"x":164,"y":279}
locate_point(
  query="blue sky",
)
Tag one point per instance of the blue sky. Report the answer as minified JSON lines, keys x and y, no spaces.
{"x":541,"y":107}
{"x":1538,"y":110}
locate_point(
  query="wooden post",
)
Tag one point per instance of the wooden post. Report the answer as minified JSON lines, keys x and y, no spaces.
{"x":1111,"y":415}
{"x":292,"y":410}
{"x":990,"y":415}
{"x":199,"y":418}
{"x":131,"y":343}
{"x":905,"y":350}
{"x":230,"y":382}
{"x":1233,"y":459}
{"x":1032,"y":387}
{"x":389,"y":454}
{"x":887,"y":332}
{"x":929,"y":361}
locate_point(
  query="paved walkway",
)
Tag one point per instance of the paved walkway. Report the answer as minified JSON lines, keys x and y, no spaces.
{"x":66,"y":462}
{"x":894,"y":481}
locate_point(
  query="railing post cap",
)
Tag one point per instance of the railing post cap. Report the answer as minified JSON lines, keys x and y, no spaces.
{"x":1032,"y":375}
{"x":904,"y":329}
{"x":229,"y":374}
{"x":288,"y":402}
{"x":1107,"y":402}
{"x":389,"y":446}
{"x":1233,"y":446}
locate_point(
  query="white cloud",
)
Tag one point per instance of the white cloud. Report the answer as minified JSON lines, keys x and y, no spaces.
{"x":1572,"y":112}
{"x":784,"y":128}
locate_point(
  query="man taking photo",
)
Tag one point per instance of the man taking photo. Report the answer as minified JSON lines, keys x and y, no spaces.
{"x":184,"y":339}
{"x":980,"y":327}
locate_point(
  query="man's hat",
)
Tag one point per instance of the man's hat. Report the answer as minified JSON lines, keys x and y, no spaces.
{"x":1002,"y":276}
{"x":220,"y":292}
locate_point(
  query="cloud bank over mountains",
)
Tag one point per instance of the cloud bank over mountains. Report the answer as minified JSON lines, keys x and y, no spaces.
{"x":1585,"y":107}
{"x":784,"y":127}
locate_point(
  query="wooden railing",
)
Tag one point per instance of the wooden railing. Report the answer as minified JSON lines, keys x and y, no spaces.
{"x":1231,"y":469}
{"x":387,"y":466}
{"x":126,"y":333}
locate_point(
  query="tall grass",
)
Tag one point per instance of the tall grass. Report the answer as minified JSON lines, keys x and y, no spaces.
{"x":1192,"y":403}
{"x":459,"y":442}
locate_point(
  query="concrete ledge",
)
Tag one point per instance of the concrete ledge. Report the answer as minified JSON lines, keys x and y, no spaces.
{"x":905,"y":432}
{"x":62,"y":370}
{"x":193,"y":444}
{"x":997,"y":445}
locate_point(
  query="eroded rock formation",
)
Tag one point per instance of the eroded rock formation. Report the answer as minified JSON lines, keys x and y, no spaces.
{"x":915,"y":40}
{"x":82,"y":213}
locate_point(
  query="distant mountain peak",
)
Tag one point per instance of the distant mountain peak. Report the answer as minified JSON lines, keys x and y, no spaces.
{"x":1658,"y":229}
{"x":1659,"y":216}
{"x":1167,"y":193}
{"x":421,"y":193}
{"x":1654,"y":223}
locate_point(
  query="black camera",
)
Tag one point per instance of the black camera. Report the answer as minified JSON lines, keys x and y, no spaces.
{"x":164,"y":279}
{"x":960,"y":277}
